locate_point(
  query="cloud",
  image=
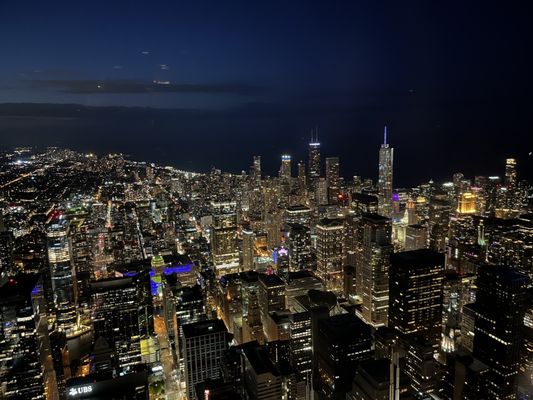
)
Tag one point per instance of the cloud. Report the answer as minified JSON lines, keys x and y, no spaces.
{"x":76,"y":86}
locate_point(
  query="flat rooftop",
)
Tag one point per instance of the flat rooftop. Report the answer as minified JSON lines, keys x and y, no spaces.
{"x":204,"y":328}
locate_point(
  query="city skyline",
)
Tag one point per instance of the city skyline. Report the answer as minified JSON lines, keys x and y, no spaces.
{"x":303,"y":200}
{"x":235,"y":82}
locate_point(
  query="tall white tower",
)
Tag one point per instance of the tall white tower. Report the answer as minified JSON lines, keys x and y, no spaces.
{"x":386,"y":154}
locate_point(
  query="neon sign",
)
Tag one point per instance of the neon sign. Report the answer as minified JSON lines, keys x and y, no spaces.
{"x":76,"y":391}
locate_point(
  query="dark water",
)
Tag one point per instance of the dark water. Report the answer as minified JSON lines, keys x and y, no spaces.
{"x":430,"y":140}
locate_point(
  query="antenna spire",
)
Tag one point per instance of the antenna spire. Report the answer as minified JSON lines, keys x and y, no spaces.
{"x":385,"y":135}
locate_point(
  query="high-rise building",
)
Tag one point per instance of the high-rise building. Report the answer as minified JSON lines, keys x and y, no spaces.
{"x":262,"y":378}
{"x":257,"y":170}
{"x":333,"y":179}
{"x":271,"y":295}
{"x":416,"y":237}
{"x":420,"y":364}
{"x":330,"y":252}
{"x":314,"y":161}
{"x":467,"y":203}
{"x":372,"y":269}
{"x":500,"y":306}
{"x":415,"y":294}
{"x":189,"y":307}
{"x":285,"y":170}
{"x":301,"y":344}
{"x":252,"y":326}
{"x":510,"y":173}
{"x":6,"y":250}
{"x":298,"y":214}
{"x":248,"y":246}
{"x":321,"y":191}
{"x":21,"y":374}
{"x":299,"y":243}
{"x":386,"y":154}
{"x":204,"y":347}
{"x":122,"y":314}
{"x":342,"y":342}
{"x":224,"y":247}
{"x":373,"y":382}
{"x":364,"y":203}
{"x":299,"y":283}
{"x":62,"y":273}
{"x":302,"y":181}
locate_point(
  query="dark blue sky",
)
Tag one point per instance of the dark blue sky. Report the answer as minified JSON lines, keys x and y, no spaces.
{"x":452,"y":81}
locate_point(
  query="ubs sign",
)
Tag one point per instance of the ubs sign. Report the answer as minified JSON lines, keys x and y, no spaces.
{"x":80,"y":390}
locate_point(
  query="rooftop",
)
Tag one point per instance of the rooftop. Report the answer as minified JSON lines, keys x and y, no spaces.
{"x":204,"y":328}
{"x":259,"y":359}
{"x":271,"y":280}
{"x":377,"y":370}
{"x":331,"y":223}
{"x":103,"y":285}
{"x":344,"y":328}
{"x":18,"y":287}
{"x":298,"y":208}
{"x":417,"y":258}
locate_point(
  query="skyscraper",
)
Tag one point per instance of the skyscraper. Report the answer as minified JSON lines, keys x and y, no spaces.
{"x":6,"y":250}
{"x":271,"y":295}
{"x":499,"y":319}
{"x":314,"y":160}
{"x":248,"y":239}
{"x":416,"y":237}
{"x":333,"y":179}
{"x":21,"y":374}
{"x":342,"y":342}
{"x":415,"y":294}
{"x":386,"y":154}
{"x":299,"y":241}
{"x":302,"y":182}
{"x":510,"y":172}
{"x":372,"y":269}
{"x":204,"y":347}
{"x":62,"y":273}
{"x":122,"y":314}
{"x":257,"y":170}
{"x":285,"y":170}
{"x":330,"y":252}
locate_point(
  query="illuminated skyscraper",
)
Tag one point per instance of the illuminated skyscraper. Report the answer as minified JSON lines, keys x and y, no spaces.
{"x":257,"y":169}
{"x":248,"y":239}
{"x":62,"y":273}
{"x":204,"y":347}
{"x":333,"y":179}
{"x":302,"y":182}
{"x":271,"y":295}
{"x":122,"y":314}
{"x":224,"y":246}
{"x":416,"y":237}
{"x":6,"y":250}
{"x":299,"y":242}
{"x":386,"y":154}
{"x":415,"y":294}
{"x":372,"y":269}
{"x":21,"y":374}
{"x":510,"y":172}
{"x":314,"y":160}
{"x":285,"y":170}
{"x":467,"y":203}
{"x":330,"y":252}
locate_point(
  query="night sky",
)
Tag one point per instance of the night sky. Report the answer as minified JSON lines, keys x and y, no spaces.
{"x":451,"y":80}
